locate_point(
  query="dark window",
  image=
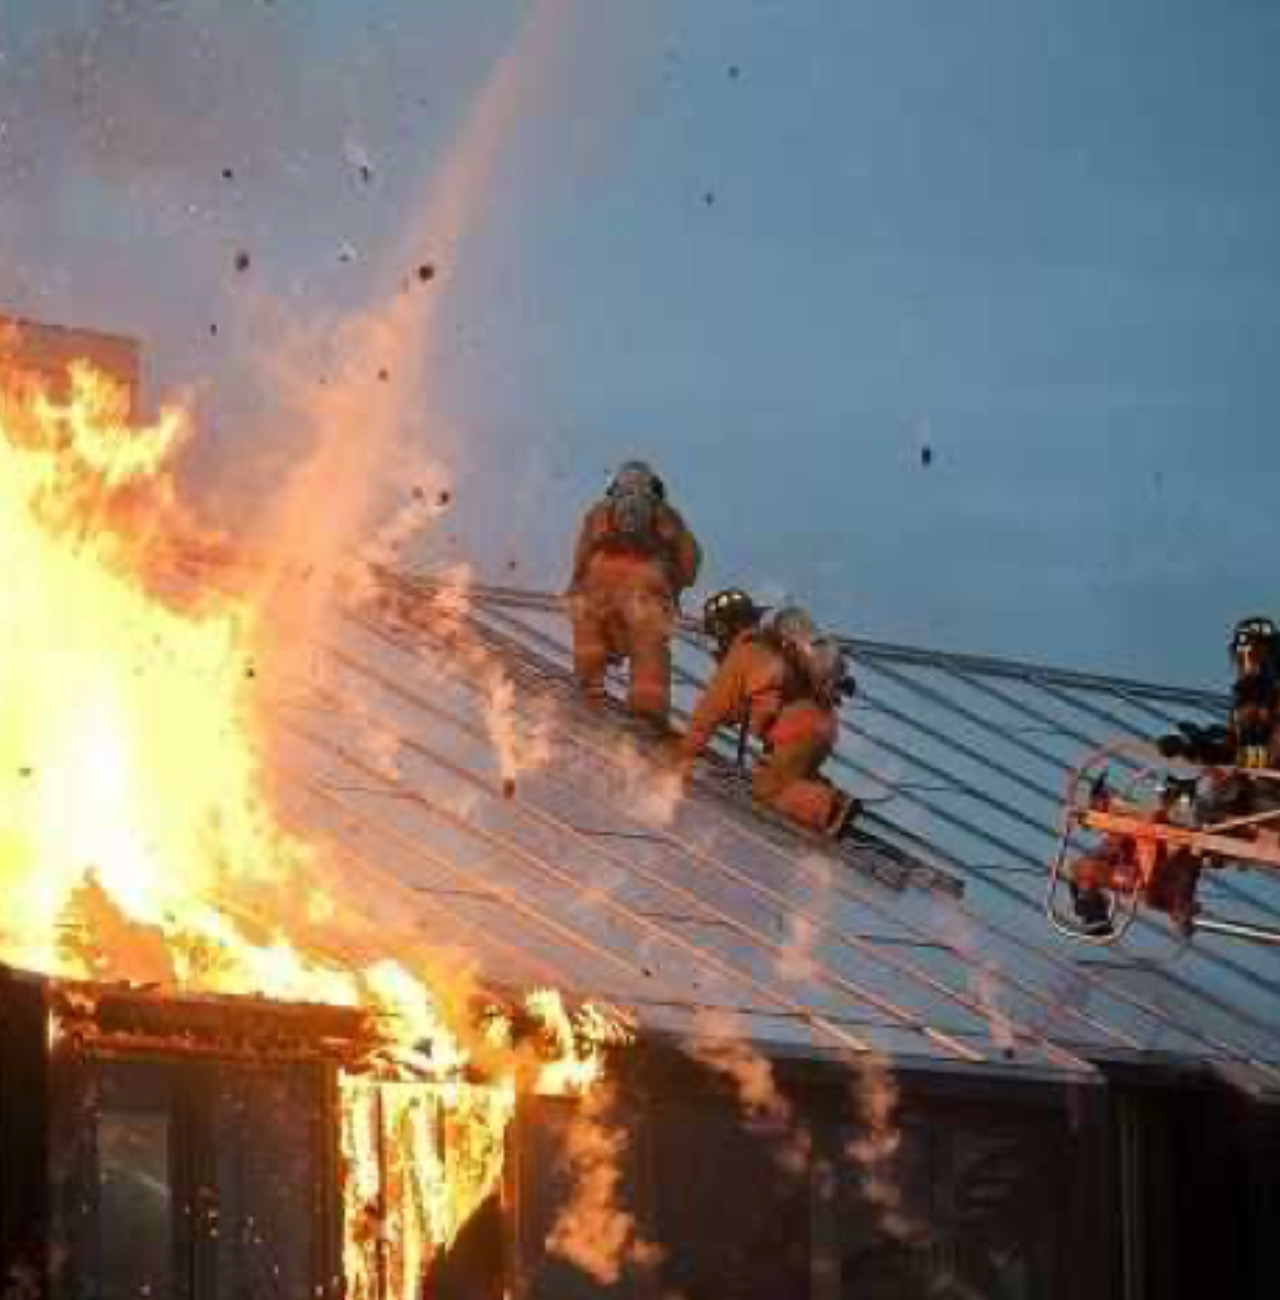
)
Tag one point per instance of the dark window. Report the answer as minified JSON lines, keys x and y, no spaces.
{"x":135,"y":1203}
{"x":190,"y":1181}
{"x":977,"y":1194}
{"x":266,"y":1210}
{"x":119,"y":1221}
{"x":731,"y":1207}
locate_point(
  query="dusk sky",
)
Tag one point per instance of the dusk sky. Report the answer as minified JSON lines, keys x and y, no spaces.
{"x":778,"y":248}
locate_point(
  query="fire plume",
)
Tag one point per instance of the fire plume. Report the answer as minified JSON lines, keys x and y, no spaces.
{"x":137,"y":844}
{"x":124,"y":764}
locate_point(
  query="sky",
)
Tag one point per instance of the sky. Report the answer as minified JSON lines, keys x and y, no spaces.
{"x":779,"y":248}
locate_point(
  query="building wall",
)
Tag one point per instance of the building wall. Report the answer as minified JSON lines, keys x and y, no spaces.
{"x":129,"y":1168}
{"x":1200,"y":1169}
{"x":990,"y":1192}
{"x":1003,"y":1191}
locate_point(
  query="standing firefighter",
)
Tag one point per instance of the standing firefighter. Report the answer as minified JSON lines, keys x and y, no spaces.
{"x":1251,"y":738}
{"x":782,"y":683}
{"x":633,"y":558}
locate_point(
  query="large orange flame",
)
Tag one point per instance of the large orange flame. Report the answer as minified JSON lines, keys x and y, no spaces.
{"x":136,"y":843}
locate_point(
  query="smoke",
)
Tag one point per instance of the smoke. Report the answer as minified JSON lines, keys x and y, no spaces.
{"x":720,"y":1042}
{"x":983,"y":973}
{"x":371,"y":421}
{"x":426,"y":499}
{"x":798,"y":960}
{"x":874,"y":1149}
{"x":521,"y":737}
{"x":593,"y":1231}
{"x":143,"y":90}
{"x":652,"y":794}
{"x":518,"y":751}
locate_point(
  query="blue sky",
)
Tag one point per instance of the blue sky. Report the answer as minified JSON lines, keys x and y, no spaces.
{"x":776,"y":247}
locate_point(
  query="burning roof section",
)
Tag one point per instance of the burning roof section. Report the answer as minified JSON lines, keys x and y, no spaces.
{"x":437,"y":745}
{"x":47,"y":353}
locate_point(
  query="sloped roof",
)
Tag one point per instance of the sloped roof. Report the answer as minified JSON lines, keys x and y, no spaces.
{"x":442,"y":749}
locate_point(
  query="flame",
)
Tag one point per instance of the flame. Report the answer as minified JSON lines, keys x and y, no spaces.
{"x":137,"y":844}
{"x":577,"y":1042}
{"x":135,"y":840}
{"x":123,"y":755}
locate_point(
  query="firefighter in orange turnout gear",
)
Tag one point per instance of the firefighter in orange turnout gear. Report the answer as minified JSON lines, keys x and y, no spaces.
{"x":782,"y":684}
{"x":1249,"y":740}
{"x":633,"y":558}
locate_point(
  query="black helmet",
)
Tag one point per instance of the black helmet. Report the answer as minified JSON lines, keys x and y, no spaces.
{"x":1254,"y":642}
{"x":729,"y":612}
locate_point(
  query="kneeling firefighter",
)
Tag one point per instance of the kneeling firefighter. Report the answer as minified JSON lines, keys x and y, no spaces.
{"x":633,"y":558}
{"x":782,"y":684}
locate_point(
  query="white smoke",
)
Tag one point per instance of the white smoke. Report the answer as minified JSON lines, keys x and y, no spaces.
{"x":798,"y":961}
{"x":593,"y":1231}
{"x":720,"y":1042}
{"x":983,"y":972}
{"x":875,"y":1147}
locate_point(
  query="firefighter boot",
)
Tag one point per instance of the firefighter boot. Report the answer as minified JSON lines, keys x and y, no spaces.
{"x":845,"y":810}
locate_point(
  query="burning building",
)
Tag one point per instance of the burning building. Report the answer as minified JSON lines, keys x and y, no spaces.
{"x":271,"y":931}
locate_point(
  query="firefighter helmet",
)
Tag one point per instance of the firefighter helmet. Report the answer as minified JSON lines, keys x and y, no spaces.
{"x":1255,"y":644}
{"x":728,"y":613}
{"x":636,"y":476}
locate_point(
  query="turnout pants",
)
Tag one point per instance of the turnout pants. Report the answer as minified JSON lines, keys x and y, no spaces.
{"x":631,"y":624}
{"x":786,"y":778}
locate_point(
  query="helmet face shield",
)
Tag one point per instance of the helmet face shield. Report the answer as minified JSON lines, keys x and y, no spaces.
{"x":636,"y":476}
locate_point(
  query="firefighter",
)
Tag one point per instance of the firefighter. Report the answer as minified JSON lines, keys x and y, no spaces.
{"x":633,"y":558}
{"x":726,"y":616}
{"x":782,"y":684}
{"x":1251,"y":737}
{"x":1249,"y":740}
